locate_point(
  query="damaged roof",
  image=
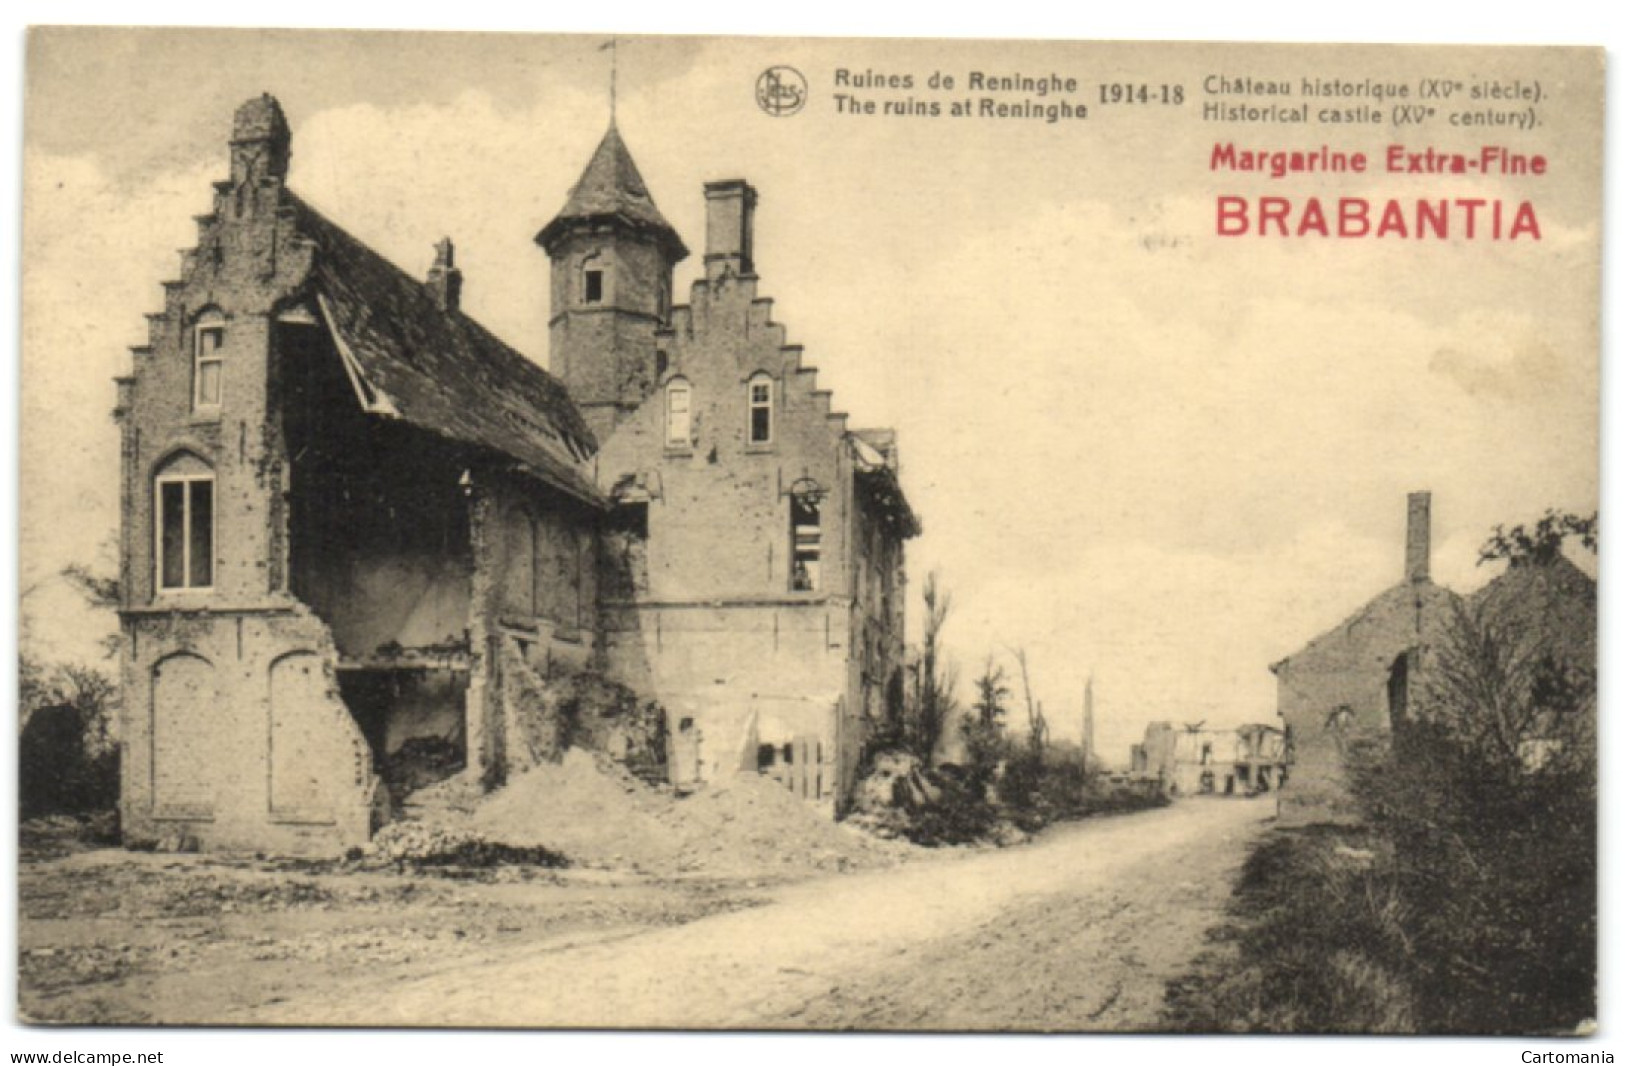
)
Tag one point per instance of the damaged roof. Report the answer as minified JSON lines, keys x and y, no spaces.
{"x":1427,"y":599}
{"x":441,"y":370}
{"x":874,"y":455}
{"x":612,"y":190}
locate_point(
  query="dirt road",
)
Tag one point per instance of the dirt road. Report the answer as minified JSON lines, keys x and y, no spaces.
{"x":1077,"y":931}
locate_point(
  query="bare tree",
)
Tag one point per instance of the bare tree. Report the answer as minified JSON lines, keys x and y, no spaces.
{"x":935,"y":679}
{"x":1037,"y":727}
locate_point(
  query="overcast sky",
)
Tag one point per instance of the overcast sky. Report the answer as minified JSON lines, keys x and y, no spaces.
{"x":1138,"y":449}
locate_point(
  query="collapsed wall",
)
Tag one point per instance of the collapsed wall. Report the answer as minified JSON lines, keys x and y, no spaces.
{"x":235,"y":737}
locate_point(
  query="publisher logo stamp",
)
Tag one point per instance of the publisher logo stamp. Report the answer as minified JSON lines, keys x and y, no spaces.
{"x":781,"y":91}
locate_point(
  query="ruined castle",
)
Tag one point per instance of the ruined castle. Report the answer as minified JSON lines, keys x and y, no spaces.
{"x":354,"y":520}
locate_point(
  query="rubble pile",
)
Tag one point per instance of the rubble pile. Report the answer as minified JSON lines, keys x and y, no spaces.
{"x":546,"y":716}
{"x":609,"y":717}
{"x":428,"y":844}
{"x":750,"y":823}
{"x":900,"y":797}
{"x":594,"y":811}
{"x":892,"y":793}
{"x":420,"y":762}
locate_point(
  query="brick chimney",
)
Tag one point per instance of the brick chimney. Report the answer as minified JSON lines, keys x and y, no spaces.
{"x":445,"y":281}
{"x":729,"y":209}
{"x":1418,"y":535}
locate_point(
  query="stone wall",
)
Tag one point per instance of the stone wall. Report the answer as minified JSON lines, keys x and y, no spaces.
{"x":234,"y":735}
{"x":719,"y":627}
{"x":1335,"y":691}
{"x":326,"y":542}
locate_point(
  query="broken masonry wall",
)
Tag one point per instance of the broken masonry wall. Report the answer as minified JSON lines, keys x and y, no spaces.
{"x":532,"y":714}
{"x":378,"y":519}
{"x":718,"y":519}
{"x":1157,"y":753}
{"x":544,"y":714}
{"x":234,"y":735}
{"x":533,"y":612}
{"x":741,"y":676}
{"x":876,"y":686}
{"x":706,"y":617}
{"x":609,"y":717}
{"x":231,"y":732}
{"x":1334,"y":692}
{"x":413,"y":719}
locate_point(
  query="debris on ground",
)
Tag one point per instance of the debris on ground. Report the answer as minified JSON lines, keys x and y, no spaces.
{"x":425,"y":844}
{"x":902,"y":797}
{"x":56,"y":835}
{"x":422,"y":761}
{"x":109,"y":936}
{"x":593,"y":810}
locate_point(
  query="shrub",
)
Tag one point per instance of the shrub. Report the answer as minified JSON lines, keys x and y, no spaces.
{"x":1488,"y":799}
{"x":67,"y":753}
{"x":1466,"y":903}
{"x":1500,"y":871}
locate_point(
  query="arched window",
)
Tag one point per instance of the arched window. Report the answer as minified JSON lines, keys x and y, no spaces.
{"x":679,"y":417}
{"x":208,"y":359}
{"x":183,"y":502}
{"x":759,"y":391}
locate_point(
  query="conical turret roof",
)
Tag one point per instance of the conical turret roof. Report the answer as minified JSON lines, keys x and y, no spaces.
{"x":612,"y":190}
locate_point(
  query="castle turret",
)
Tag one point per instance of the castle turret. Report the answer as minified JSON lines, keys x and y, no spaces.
{"x":613,"y":254}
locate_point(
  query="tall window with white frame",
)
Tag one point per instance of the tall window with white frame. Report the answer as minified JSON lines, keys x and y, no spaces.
{"x":208,"y":360}
{"x":760,"y":391}
{"x":679,"y":419}
{"x":184,"y":499}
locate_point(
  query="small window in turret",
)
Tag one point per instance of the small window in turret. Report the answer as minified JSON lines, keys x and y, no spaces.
{"x":593,"y":287}
{"x":208,"y":362}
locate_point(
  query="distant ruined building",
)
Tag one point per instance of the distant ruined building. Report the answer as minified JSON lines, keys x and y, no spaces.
{"x":1368,"y":675}
{"x":356,"y":524}
{"x":1193,"y":760}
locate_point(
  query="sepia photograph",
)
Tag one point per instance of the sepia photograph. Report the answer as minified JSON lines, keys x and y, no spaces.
{"x":716,"y":533}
